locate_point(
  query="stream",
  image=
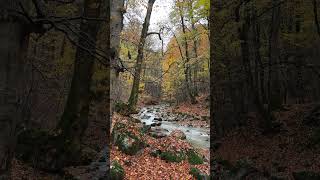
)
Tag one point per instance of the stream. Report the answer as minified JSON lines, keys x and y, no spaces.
{"x":198,"y":137}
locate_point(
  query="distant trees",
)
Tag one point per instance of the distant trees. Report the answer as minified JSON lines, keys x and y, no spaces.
{"x":258,"y":63}
{"x":187,"y":56}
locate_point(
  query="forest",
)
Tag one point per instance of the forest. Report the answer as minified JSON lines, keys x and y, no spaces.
{"x":159,"y":89}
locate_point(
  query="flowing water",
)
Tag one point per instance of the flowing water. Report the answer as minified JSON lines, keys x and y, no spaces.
{"x":198,"y":137}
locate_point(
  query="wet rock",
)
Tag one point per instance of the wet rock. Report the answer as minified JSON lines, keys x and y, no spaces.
{"x":157,"y":134}
{"x":145,"y":117}
{"x":178,"y":134}
{"x":153,"y":124}
{"x":157,"y":119}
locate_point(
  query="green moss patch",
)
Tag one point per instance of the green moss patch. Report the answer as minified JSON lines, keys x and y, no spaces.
{"x":116,"y":171}
{"x":172,"y":156}
{"x":126,"y":140}
{"x":196,"y":173}
{"x":194,"y":158}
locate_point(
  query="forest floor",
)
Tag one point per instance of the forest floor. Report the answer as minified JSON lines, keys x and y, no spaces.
{"x":279,"y":154}
{"x":146,"y":166}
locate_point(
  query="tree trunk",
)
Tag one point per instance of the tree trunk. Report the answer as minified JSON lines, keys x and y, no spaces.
{"x":74,"y":120}
{"x":274,"y":89}
{"x":116,"y":26}
{"x":315,"y":12}
{"x":194,"y":47}
{"x":12,"y":50}
{"x":187,"y":71}
{"x":136,"y":81}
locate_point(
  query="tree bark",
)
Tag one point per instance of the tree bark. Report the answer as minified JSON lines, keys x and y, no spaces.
{"x":116,"y":26}
{"x":13,"y":47}
{"x":316,"y":20}
{"x":136,"y":81}
{"x":274,"y":89}
{"x":74,"y":120}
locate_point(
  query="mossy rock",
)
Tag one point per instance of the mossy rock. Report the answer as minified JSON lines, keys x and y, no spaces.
{"x":172,"y":156}
{"x":306,"y":175}
{"x":122,"y":108}
{"x":125,"y":140}
{"x":196,"y":173}
{"x":145,"y":129}
{"x":116,"y":171}
{"x":194,"y":158}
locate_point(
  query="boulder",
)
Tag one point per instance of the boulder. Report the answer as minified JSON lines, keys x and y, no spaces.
{"x":145,"y":117}
{"x":178,"y":134}
{"x":158,"y":132}
{"x":126,"y":140}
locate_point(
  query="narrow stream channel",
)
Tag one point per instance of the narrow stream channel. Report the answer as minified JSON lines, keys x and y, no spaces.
{"x":198,"y":137}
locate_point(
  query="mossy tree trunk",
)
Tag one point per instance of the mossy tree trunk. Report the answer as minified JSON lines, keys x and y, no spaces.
{"x":136,"y":81}
{"x":74,"y":120}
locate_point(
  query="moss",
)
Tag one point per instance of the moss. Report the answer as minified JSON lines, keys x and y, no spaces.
{"x":144,"y":129}
{"x":194,"y":158}
{"x":123,"y":109}
{"x":197,"y":174}
{"x":116,"y":171}
{"x":172,"y":156}
{"x":120,"y":139}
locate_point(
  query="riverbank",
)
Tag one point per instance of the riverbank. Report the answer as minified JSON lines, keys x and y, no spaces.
{"x":160,"y":159}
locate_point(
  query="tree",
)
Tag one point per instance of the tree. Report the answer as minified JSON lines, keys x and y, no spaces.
{"x":116,"y":26}
{"x":133,"y":99}
{"x":74,"y":120}
{"x":187,"y":71}
{"x":14,"y":41}
{"x":315,"y":12}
